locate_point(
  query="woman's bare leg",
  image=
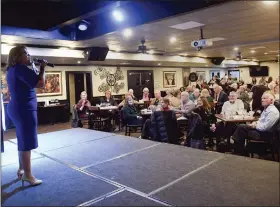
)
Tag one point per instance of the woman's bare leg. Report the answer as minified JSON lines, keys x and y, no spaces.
{"x":26,"y":163}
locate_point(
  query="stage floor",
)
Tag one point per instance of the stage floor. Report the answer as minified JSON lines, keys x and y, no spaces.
{"x":91,"y":168}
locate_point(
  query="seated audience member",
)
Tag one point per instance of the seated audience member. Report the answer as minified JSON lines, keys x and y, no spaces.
{"x":131,"y":92}
{"x":146,"y":95}
{"x":130,"y":113}
{"x":220,"y":97}
{"x":83,"y":104}
{"x":257,"y":130}
{"x":108,"y":100}
{"x":230,"y":107}
{"x":187,"y":106}
{"x":194,"y":96}
{"x":168,"y":93}
{"x":270,"y":79}
{"x":174,"y":100}
{"x":258,"y":91}
{"x":123,"y":101}
{"x":244,"y":96}
{"x":198,"y":84}
{"x":233,"y":105}
{"x":163,"y":106}
{"x":206,"y":112}
{"x":156,"y":101}
{"x":182,"y":89}
{"x":189,"y":89}
{"x":205,"y":93}
{"x":233,"y":87}
{"x":159,"y":122}
{"x":254,"y":81}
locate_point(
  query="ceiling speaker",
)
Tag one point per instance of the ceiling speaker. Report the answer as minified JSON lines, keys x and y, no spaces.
{"x":217,"y":60}
{"x":98,"y":53}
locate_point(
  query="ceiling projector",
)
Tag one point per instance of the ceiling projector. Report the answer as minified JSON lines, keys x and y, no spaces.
{"x":199,"y":44}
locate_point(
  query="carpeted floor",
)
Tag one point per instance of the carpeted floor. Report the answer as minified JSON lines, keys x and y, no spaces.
{"x":91,"y":168}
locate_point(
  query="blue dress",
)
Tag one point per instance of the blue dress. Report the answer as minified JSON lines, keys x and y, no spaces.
{"x":22,"y":108}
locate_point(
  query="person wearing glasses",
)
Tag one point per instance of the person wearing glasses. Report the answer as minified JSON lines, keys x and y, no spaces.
{"x":22,"y":108}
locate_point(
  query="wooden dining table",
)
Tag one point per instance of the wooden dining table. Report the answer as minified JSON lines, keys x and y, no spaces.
{"x":236,"y":120}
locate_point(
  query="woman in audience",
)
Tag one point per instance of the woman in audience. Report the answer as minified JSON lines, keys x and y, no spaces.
{"x":146,"y":95}
{"x":156,"y":101}
{"x":128,"y":94}
{"x":130,"y":113}
{"x":168,"y":93}
{"x":22,"y":108}
{"x":206,"y":113}
{"x":205,"y":93}
{"x":83,"y":104}
{"x":131,"y":92}
{"x":108,"y":100}
{"x":174,"y":100}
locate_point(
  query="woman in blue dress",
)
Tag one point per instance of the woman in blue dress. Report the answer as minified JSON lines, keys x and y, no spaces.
{"x":22,"y":108}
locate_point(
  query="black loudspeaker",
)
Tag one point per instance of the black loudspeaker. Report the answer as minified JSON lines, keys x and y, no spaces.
{"x":98,"y":53}
{"x":217,"y":60}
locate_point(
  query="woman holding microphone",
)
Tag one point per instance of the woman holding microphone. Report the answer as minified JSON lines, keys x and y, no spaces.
{"x":22,"y":108}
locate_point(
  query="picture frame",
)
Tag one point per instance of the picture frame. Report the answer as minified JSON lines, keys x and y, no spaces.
{"x":201,"y":75}
{"x":53,"y":85}
{"x":169,"y":79}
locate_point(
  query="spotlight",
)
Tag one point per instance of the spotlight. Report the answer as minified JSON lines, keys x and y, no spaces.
{"x":236,"y":48}
{"x":79,"y":62}
{"x":265,"y":53}
{"x":252,"y":51}
{"x":118,"y":15}
{"x":127,"y":32}
{"x":159,"y":64}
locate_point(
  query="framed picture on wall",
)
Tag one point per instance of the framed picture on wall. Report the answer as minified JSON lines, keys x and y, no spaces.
{"x":53,"y":85}
{"x":169,"y":79}
{"x":201,"y":75}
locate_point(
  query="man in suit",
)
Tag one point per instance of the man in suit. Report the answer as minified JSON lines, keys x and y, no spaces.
{"x":220,"y":97}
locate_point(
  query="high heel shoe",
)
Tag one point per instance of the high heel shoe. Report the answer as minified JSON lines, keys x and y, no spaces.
{"x":32,"y":181}
{"x":20,"y":173}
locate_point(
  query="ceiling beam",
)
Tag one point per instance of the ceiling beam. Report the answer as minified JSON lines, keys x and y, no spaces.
{"x":109,"y":7}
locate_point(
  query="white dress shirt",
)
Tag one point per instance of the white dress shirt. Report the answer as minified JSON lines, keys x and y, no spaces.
{"x":232,"y":107}
{"x":268,"y":118}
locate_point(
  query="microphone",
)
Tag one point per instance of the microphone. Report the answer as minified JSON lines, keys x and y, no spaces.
{"x":40,"y":61}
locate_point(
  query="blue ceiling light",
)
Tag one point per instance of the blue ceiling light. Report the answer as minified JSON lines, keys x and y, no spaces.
{"x":118,"y":15}
{"x":83,"y":25}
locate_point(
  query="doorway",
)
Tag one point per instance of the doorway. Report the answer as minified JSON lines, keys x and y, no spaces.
{"x":138,"y":80}
{"x":76,"y":82}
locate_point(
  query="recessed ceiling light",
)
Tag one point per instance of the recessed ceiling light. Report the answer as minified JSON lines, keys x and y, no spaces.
{"x":118,"y":15}
{"x":265,"y":53}
{"x":79,"y":62}
{"x":252,"y":51}
{"x":206,"y":65}
{"x":236,"y":48}
{"x":159,"y":64}
{"x":127,"y":32}
{"x":173,"y":39}
{"x":82,"y":26}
